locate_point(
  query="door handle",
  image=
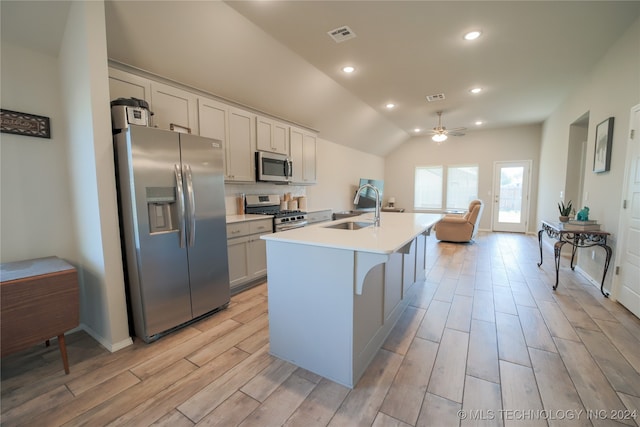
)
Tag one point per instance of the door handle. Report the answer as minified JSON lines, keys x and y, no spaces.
{"x":180,"y":200}
{"x":191,"y":215}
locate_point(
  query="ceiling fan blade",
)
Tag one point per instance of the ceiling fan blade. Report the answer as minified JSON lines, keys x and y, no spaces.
{"x":459,"y":133}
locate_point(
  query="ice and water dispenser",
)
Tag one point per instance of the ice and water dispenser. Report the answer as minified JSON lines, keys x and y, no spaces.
{"x":162,"y":209}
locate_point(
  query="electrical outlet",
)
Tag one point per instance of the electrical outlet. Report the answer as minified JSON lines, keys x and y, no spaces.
{"x":561,"y":195}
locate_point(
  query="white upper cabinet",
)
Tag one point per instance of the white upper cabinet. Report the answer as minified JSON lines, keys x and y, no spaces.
{"x":241,"y":132}
{"x":272,"y":135}
{"x":173,"y":108}
{"x":235,"y":128}
{"x":303,"y":155}
{"x":212,"y":119}
{"x":239,"y":152}
{"x":125,"y":85}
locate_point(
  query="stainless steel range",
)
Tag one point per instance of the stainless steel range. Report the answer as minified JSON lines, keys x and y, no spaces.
{"x":270,"y":205}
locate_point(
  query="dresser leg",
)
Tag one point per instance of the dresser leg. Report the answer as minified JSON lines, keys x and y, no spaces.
{"x":63,"y":352}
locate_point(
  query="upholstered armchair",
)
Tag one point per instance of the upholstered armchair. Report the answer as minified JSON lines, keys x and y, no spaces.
{"x":460,"y":227}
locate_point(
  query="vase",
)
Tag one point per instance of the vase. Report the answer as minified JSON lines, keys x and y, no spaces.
{"x":564,"y":218}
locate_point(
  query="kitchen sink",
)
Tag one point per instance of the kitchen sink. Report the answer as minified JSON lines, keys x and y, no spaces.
{"x":350,"y":225}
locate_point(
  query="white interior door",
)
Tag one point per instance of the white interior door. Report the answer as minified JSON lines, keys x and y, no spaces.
{"x":511,"y":196}
{"x":628,"y":280}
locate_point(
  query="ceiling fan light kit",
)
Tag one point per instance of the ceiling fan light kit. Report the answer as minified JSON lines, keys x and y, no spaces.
{"x":441,"y":133}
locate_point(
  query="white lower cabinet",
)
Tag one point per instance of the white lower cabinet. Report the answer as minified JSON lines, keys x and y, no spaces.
{"x":247,"y":252}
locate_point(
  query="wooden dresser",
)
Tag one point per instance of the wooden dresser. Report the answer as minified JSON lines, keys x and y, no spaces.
{"x":39,"y":300}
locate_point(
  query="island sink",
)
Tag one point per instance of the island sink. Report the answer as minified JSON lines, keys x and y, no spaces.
{"x":334,"y":297}
{"x":350,"y":225}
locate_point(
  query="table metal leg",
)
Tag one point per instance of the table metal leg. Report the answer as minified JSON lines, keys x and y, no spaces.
{"x":606,"y":268}
{"x":574,"y":248}
{"x":557,"y":248}
{"x":540,"y":243}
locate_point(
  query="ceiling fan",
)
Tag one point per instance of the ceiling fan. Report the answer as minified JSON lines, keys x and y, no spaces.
{"x":441,"y":133}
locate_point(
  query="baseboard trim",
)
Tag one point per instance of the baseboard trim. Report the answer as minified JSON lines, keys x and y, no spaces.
{"x":594,"y":282}
{"x":112,"y":347}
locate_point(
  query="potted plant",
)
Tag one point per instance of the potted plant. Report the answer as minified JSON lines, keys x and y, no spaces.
{"x":565,"y":211}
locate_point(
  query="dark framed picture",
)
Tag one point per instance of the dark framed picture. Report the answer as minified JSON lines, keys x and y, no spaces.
{"x":602,"y":151}
{"x":24,"y":124}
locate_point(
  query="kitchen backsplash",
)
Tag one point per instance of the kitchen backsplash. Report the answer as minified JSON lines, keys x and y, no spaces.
{"x":233,"y":190}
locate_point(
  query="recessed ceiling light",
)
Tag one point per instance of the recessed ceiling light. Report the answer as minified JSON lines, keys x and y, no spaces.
{"x":348,"y":69}
{"x":472,"y":35}
{"x":417,"y":130}
{"x":390,"y":105}
{"x":476,"y":90}
{"x":479,"y":123}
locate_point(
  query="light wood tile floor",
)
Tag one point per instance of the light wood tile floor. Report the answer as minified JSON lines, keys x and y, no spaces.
{"x":485,"y":341}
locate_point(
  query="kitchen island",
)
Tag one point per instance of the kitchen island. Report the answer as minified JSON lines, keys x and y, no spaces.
{"x":335,"y":293}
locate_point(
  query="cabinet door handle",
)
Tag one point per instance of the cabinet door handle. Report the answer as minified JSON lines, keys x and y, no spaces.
{"x":178,"y":128}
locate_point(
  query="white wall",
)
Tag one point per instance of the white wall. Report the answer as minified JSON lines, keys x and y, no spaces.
{"x":339,"y":171}
{"x":58,"y":194}
{"x":611,"y":89}
{"x":85,"y":94}
{"x":480,"y":147}
{"x":35,"y":219}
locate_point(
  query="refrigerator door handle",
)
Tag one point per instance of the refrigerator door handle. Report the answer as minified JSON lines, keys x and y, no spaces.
{"x":180,"y":197}
{"x":191,"y":215}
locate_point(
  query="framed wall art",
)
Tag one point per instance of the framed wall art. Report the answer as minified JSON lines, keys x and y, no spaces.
{"x":24,"y":124}
{"x":604,"y":141}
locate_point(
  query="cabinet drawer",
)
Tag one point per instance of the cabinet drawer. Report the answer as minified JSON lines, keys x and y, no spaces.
{"x":261,"y":226}
{"x":237,"y":229}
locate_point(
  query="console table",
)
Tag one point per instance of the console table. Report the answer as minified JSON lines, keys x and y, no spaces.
{"x":39,"y":300}
{"x":577,"y":239}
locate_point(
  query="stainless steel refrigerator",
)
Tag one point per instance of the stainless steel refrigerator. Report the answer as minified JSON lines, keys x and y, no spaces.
{"x":172,"y":216}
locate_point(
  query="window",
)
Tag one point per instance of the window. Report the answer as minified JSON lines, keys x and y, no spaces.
{"x":458,"y":183}
{"x":428,"y":188}
{"x":462,"y":186}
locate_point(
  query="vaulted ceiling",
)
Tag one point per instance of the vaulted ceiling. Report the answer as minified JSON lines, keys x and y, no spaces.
{"x":277,"y":57}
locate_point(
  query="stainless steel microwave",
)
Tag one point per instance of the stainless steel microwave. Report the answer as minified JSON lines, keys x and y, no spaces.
{"x":272,"y":167}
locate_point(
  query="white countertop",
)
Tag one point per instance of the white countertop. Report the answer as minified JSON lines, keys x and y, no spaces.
{"x":247,"y":217}
{"x":395,"y":231}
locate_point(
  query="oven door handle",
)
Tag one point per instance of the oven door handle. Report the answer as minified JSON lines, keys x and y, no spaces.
{"x":292,"y":225}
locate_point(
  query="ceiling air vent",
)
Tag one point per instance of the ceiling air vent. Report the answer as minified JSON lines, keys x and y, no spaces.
{"x":437,"y":97}
{"x":341,"y":34}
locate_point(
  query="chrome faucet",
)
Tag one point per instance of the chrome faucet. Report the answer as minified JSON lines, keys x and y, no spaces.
{"x":376,"y":219}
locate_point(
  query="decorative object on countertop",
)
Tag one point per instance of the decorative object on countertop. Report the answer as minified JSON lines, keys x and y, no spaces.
{"x":583,"y":215}
{"x":24,"y":124}
{"x":602,"y":150}
{"x":302,"y":203}
{"x":241,"y":199}
{"x":565,"y":211}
